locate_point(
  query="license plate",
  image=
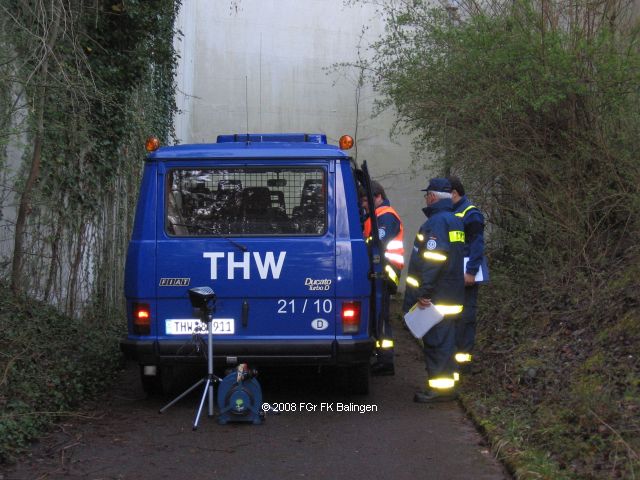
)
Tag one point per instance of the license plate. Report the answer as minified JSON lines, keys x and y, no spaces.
{"x":188,"y":326}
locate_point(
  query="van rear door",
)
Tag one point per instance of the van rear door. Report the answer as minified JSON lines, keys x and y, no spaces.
{"x":260,"y":234}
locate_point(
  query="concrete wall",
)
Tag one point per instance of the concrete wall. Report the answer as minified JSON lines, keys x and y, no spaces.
{"x":265,"y":66}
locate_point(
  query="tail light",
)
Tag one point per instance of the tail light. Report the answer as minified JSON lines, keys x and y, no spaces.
{"x":350,"y":317}
{"x":141,"y":318}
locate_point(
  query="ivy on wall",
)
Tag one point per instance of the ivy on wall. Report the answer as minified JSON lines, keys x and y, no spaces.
{"x":95,"y":78}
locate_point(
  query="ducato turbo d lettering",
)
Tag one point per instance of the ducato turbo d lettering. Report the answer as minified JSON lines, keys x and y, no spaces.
{"x":272,"y":224}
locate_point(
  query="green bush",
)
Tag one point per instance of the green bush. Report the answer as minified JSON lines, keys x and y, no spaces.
{"x":534,"y":105}
{"x":49,"y":363}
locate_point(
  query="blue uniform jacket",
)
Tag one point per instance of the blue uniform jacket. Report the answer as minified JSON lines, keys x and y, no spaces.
{"x":473,"y":221}
{"x":440,"y":280}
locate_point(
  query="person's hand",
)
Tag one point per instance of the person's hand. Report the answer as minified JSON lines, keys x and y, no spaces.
{"x":469,"y":279}
{"x":424,"y":303}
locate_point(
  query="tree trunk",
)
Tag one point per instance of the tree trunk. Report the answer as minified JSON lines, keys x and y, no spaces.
{"x":24,"y":209}
{"x":25,"y":200}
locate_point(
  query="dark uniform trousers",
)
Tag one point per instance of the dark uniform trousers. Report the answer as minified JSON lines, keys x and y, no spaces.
{"x":466,"y":325}
{"x":440,"y":347}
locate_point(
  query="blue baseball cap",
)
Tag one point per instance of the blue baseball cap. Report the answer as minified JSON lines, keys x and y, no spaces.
{"x":438,"y":185}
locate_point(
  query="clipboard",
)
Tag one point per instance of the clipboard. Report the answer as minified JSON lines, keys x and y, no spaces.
{"x":421,"y":320}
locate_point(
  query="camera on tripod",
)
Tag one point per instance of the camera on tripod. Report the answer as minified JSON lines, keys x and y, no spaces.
{"x":200,"y":298}
{"x":203,"y":300}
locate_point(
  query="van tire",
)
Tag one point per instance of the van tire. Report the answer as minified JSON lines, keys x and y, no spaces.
{"x":160,"y":384}
{"x":151,"y":384}
{"x":358,"y":379}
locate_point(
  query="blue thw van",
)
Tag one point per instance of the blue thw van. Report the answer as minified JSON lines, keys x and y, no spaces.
{"x":272,"y":224}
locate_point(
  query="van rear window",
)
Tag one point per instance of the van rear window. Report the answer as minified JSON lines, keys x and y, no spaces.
{"x":246,"y":201}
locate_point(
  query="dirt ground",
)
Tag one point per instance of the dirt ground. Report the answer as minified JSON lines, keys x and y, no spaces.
{"x":123,"y":436}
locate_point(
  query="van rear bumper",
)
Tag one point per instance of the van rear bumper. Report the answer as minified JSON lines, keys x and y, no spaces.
{"x":301,"y":352}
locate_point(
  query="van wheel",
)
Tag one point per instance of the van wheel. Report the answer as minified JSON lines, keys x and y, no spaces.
{"x":358,"y":379}
{"x":159,"y":384}
{"x":151,"y":384}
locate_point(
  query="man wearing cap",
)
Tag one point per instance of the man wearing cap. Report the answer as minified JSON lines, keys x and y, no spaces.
{"x":390,"y":233}
{"x":436,"y":277}
{"x":473,"y":221}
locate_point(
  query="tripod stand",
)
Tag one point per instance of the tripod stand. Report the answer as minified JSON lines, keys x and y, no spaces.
{"x":201,"y":297}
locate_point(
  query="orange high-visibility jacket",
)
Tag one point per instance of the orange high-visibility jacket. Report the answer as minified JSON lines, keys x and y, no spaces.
{"x":394,"y":248}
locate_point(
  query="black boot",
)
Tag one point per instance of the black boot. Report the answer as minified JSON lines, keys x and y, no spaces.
{"x":433,"y":396}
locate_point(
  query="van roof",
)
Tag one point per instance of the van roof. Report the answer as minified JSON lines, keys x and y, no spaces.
{"x":259,"y":146}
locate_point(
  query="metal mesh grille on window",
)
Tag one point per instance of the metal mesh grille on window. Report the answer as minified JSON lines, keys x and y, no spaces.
{"x":246,"y":201}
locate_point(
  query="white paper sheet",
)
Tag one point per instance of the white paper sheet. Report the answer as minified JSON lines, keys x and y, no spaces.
{"x":420,"y":320}
{"x":479,"y":275}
